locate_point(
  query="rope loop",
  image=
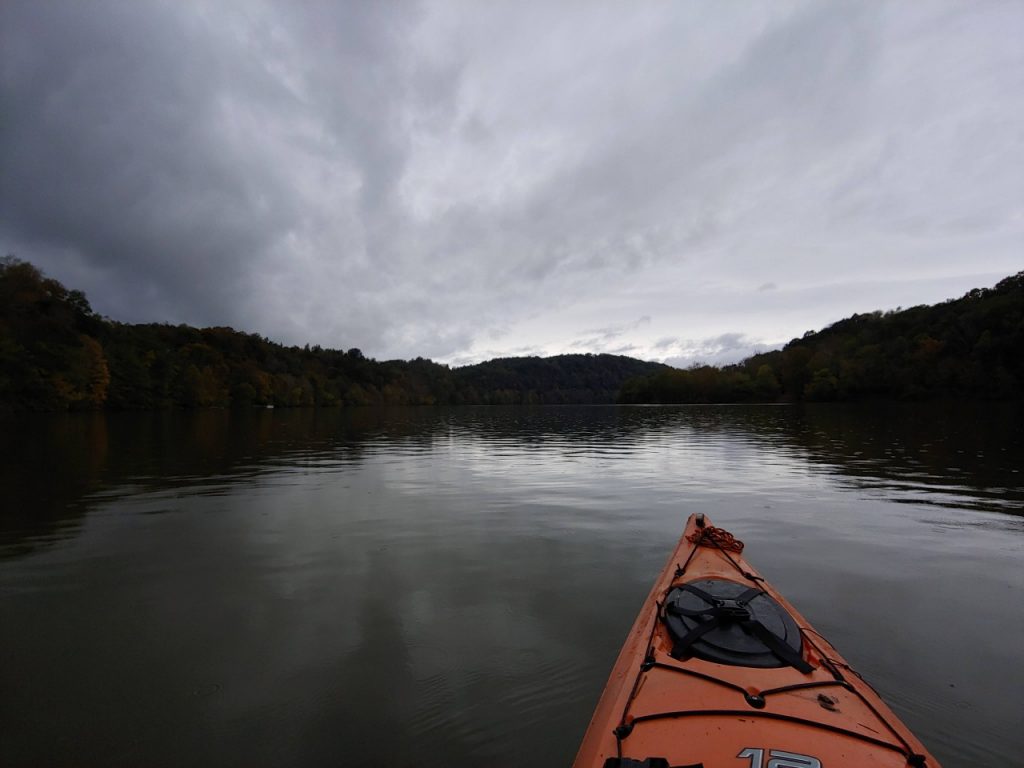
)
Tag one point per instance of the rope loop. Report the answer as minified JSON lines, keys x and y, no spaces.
{"x":710,"y":536}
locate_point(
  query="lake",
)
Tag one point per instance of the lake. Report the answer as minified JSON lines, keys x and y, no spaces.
{"x":450,"y":586}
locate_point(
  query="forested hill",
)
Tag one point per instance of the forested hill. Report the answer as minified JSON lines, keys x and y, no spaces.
{"x":57,"y":354}
{"x":969,"y":348}
{"x":560,"y":379}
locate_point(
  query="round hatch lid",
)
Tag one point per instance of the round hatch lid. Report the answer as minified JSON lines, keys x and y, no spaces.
{"x":720,"y":617}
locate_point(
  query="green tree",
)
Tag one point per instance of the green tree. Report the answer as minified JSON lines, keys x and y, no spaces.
{"x":766,"y":385}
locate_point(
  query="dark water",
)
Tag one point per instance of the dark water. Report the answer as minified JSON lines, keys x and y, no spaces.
{"x":435,"y":587}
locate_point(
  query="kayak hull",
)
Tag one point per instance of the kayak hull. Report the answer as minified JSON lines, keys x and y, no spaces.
{"x":673,"y":709}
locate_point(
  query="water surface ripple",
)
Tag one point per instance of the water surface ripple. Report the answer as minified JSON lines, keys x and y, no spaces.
{"x":437,"y":587}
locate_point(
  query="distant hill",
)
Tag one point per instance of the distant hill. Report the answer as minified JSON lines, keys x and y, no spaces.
{"x":559,"y":379}
{"x":966,"y":348}
{"x":57,"y":354}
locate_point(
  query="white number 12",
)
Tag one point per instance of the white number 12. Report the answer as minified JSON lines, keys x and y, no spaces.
{"x":779,"y":759}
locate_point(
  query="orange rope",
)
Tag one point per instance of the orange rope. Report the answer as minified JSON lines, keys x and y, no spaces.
{"x":712,"y":536}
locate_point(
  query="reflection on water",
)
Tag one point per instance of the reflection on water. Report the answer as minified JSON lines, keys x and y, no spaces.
{"x":450,"y":586}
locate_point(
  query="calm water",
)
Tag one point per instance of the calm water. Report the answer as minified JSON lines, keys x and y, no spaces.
{"x":449,"y":587}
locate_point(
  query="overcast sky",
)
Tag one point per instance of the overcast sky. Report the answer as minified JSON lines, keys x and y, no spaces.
{"x":677,"y":181}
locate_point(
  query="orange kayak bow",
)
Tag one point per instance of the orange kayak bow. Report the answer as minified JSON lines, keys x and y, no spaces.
{"x":721,"y":671}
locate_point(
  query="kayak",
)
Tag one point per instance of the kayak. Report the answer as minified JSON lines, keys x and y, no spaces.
{"x":719,"y":670}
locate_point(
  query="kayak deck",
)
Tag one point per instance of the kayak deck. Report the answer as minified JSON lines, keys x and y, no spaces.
{"x":667,"y":703}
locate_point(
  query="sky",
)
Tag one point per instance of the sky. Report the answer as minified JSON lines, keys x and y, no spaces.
{"x":682,"y":181}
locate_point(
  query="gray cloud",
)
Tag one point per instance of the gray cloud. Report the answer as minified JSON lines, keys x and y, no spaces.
{"x":463,"y":181}
{"x":723,"y":349}
{"x":600,"y":339}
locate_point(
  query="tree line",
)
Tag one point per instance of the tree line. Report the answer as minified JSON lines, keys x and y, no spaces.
{"x":57,"y":354}
{"x":966,"y":348}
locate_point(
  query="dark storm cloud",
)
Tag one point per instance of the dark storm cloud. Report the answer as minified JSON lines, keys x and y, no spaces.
{"x":164,"y":150}
{"x":467,"y":180}
{"x":113,"y":153}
